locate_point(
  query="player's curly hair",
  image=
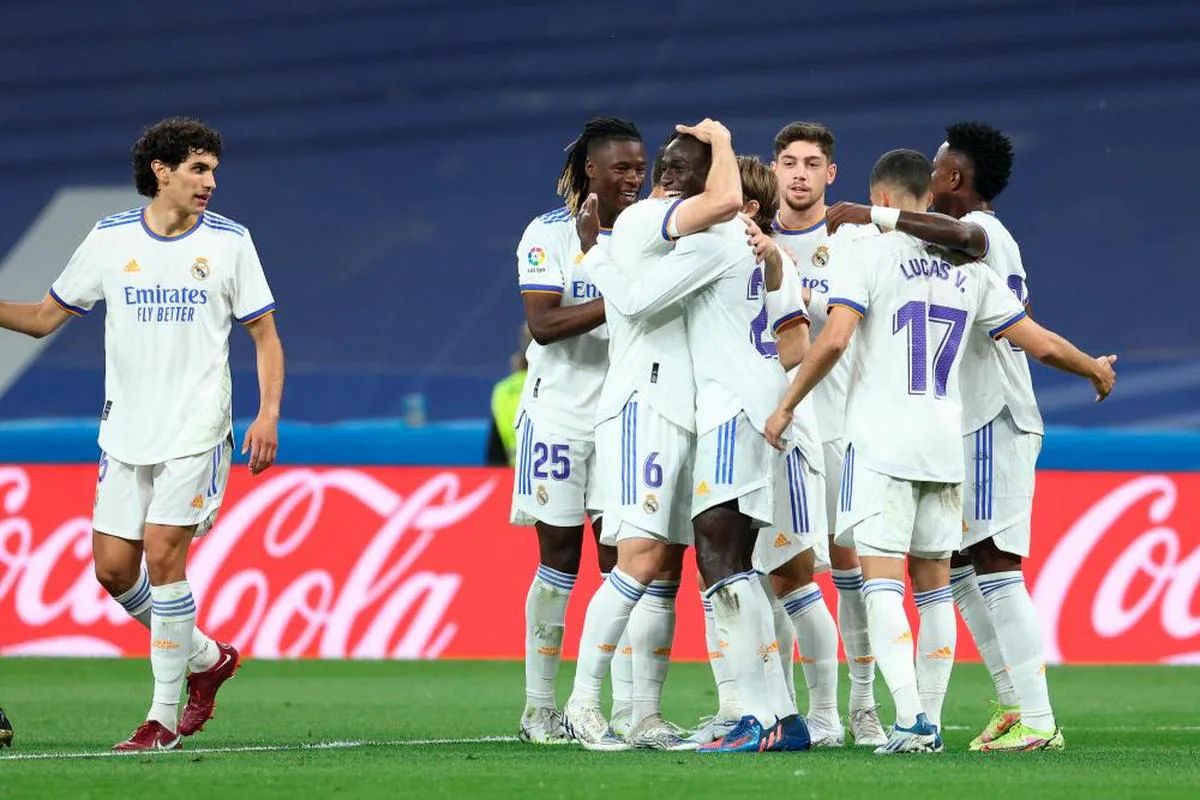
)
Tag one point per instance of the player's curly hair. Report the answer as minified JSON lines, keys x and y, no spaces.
{"x":813,"y":132}
{"x":907,"y":169}
{"x":989,"y":150}
{"x":171,"y":142}
{"x":573,"y":181}
{"x":759,"y":183}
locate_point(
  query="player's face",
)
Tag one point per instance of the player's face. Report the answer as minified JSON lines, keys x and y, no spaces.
{"x":616,"y":171}
{"x":804,"y":173}
{"x":189,"y":186}
{"x":943,"y":179}
{"x":685,"y":168}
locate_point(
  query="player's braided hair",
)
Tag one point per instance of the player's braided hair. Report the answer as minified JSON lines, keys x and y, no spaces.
{"x":572,"y":183}
{"x":989,"y":150}
{"x":171,"y":142}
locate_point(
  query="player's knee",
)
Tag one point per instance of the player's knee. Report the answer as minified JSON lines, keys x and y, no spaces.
{"x":606,"y":557}
{"x":560,"y":548}
{"x":641,"y":559}
{"x":988,"y":558}
{"x":117,"y":578}
{"x":166,"y":561}
{"x":842,"y":557}
{"x":794,"y":574}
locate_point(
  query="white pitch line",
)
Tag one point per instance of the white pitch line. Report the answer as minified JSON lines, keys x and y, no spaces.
{"x":263,"y":748}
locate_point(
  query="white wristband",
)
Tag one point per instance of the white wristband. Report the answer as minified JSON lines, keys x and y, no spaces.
{"x":885,"y":217}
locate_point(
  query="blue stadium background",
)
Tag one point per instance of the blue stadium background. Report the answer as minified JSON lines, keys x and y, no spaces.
{"x":388,"y":155}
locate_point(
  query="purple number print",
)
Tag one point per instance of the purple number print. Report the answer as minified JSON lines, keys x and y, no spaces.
{"x":1016,"y":284}
{"x":758,"y":325}
{"x":916,"y":316}
{"x":911,"y":315}
{"x":652,"y":473}
{"x":556,"y":454}
{"x":956,"y":322}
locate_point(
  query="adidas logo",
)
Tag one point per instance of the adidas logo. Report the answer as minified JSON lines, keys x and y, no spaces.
{"x":781,"y":539}
{"x":548,"y":651}
{"x":132,"y":266}
{"x":904,"y":637}
{"x":702,"y":488}
{"x":941,"y":654}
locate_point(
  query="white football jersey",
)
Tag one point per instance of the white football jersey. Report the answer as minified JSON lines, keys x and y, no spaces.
{"x":904,"y":412}
{"x":734,"y":359}
{"x":563,"y":384}
{"x":649,"y":354}
{"x":782,"y":305}
{"x":829,"y":396}
{"x":996,"y":374}
{"x":169,"y":306}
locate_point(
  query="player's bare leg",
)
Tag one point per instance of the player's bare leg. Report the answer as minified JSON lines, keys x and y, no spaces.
{"x":1002,"y":584}
{"x":865,"y":728}
{"x":817,"y":635}
{"x":964,"y":583}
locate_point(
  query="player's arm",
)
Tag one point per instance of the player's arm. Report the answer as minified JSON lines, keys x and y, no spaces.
{"x":793,"y":344}
{"x":1055,"y":351}
{"x":550,"y":322}
{"x":34,"y":319}
{"x":696,"y":262}
{"x":721,"y":199}
{"x":824,"y":354}
{"x":262,"y":438}
{"x":966,"y":237}
{"x":786,"y":312}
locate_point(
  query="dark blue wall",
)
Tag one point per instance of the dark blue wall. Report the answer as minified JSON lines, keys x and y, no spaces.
{"x":388,"y":155}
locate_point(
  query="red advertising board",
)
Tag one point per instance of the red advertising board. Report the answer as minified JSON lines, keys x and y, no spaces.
{"x":422,"y":563}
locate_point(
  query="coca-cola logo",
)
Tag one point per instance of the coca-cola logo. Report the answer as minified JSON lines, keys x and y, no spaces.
{"x":1120,"y":584}
{"x":309,"y":562}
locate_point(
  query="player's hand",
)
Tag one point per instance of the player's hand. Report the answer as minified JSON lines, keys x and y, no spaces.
{"x":707,"y":131}
{"x":1104,"y":376}
{"x":841,"y":213}
{"x":777,"y":423}
{"x":765,"y":251}
{"x":587,"y":224}
{"x":262,"y":441}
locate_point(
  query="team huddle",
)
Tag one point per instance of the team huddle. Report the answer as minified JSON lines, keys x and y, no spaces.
{"x":787,"y":388}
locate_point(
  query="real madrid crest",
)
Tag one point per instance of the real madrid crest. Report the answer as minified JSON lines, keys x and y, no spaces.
{"x":200,"y":269}
{"x":650,"y":504}
{"x":820,"y":256}
{"x":542,"y":495}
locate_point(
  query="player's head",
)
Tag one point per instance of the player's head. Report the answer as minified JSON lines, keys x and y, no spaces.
{"x":972,"y":166}
{"x":900,"y":179}
{"x":760,"y":192}
{"x":685,"y":163}
{"x":607,"y":159}
{"x":175,"y":160}
{"x":804,"y":165}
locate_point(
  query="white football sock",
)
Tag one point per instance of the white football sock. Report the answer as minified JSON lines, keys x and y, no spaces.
{"x":173,"y":617}
{"x":974,"y":611}
{"x":818,"y":638}
{"x":728,"y":706}
{"x":545,"y":618}
{"x":745,"y":622}
{"x":852,"y":623}
{"x":892,"y":641}
{"x":651,"y":633}
{"x":605,"y":623}
{"x":203,"y":653}
{"x":936,"y":641}
{"x":620,"y":671}
{"x":1021,"y":642}
{"x":785,"y":635}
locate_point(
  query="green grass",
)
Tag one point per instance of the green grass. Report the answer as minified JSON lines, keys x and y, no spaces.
{"x":1131,"y":732}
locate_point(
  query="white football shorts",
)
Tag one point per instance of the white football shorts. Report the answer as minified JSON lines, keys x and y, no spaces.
{"x":799,"y":516}
{"x":183,"y":491}
{"x":1001,"y":463}
{"x":734,"y":462}
{"x":834,"y":453}
{"x":883,"y":515}
{"x":644,"y":463}
{"x":554,"y":478}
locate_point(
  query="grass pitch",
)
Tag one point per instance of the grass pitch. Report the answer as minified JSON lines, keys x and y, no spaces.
{"x":400,"y":729}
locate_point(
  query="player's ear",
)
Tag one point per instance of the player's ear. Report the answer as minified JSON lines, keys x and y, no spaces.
{"x":831,"y":174}
{"x":750,"y":208}
{"x":589,"y":169}
{"x":161,"y":171}
{"x":928,"y":200}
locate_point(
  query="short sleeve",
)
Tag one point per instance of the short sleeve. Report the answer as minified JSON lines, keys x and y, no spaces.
{"x":999,"y":308}
{"x":79,"y":287}
{"x":252,"y":298}
{"x":850,"y":284}
{"x":538,"y":261}
{"x":785,"y":306}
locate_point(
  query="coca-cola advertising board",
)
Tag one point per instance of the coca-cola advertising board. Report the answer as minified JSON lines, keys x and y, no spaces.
{"x":400,"y":562}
